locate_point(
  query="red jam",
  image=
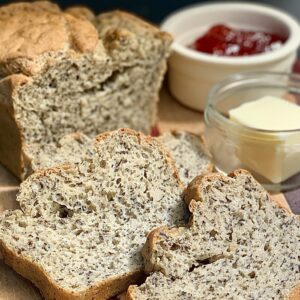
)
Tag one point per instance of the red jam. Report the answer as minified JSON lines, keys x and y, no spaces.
{"x":222,"y":40}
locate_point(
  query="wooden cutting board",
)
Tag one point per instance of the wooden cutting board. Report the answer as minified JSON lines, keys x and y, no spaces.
{"x":172,"y":115}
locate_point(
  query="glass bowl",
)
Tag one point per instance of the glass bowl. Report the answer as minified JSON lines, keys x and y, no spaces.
{"x":273,"y":157}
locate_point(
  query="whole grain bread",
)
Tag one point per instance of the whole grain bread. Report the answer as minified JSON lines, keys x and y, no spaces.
{"x":185,"y":148}
{"x":68,"y":150}
{"x":80,"y":228}
{"x":239,"y":245}
{"x":188,"y":151}
{"x":59,"y":75}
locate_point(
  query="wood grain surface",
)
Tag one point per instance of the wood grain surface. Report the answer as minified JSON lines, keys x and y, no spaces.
{"x":172,"y":115}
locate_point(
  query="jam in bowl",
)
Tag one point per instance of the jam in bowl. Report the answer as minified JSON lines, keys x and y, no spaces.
{"x":192,"y":74}
{"x":223,"y":40}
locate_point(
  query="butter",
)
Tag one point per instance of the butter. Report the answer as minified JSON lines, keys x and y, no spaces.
{"x":273,"y":155}
{"x":268,"y":113}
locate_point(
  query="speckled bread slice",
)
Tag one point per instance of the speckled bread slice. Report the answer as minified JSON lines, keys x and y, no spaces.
{"x":186,"y":149}
{"x":239,"y":245}
{"x":80,"y":228}
{"x":58,"y":75}
{"x":68,"y":150}
{"x":189,"y":154}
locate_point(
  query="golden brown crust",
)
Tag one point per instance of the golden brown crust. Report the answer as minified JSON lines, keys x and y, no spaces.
{"x":193,"y":191}
{"x":134,"y":24}
{"x":83,"y":35}
{"x":11,"y":141}
{"x":295,"y":293}
{"x":34,"y":33}
{"x":52,"y":291}
{"x":149,"y":245}
{"x":81,"y":12}
{"x":153,"y":239}
{"x":126,"y":16}
{"x":130,"y":293}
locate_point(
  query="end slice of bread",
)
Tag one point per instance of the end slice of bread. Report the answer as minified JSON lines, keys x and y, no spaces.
{"x":188,"y":151}
{"x":239,"y":245}
{"x":80,"y":228}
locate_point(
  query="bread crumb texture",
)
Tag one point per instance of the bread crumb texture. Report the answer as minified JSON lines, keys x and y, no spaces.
{"x":83,"y":225}
{"x":189,"y":154}
{"x":186,"y":149}
{"x":239,"y":245}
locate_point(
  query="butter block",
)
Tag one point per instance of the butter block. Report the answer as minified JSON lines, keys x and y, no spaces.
{"x":268,"y":113}
{"x":273,"y":155}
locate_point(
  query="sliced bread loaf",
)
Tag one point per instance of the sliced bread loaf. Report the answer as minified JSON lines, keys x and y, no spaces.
{"x":189,"y":154}
{"x":58,"y":77}
{"x":80,"y":228}
{"x":239,"y":245}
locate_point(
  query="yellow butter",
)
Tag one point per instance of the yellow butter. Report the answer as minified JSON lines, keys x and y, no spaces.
{"x":273,"y":155}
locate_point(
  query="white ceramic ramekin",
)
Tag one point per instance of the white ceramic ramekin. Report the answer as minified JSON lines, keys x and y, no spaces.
{"x":192,"y":74}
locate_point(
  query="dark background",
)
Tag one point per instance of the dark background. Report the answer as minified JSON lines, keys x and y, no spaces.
{"x":156,"y":10}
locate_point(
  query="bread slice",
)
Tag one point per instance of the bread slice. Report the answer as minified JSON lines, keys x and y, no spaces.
{"x":188,"y":152}
{"x":58,"y":75}
{"x":80,"y":228}
{"x":186,"y":149}
{"x":239,"y":245}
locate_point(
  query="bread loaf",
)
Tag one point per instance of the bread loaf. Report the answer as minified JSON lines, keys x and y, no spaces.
{"x":80,"y":228}
{"x":58,"y":75}
{"x":239,"y":245}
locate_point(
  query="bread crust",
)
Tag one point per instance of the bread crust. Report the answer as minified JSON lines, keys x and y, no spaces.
{"x":130,"y":293}
{"x":12,"y":144}
{"x":81,"y":12}
{"x":193,"y":191}
{"x":32,"y":34}
{"x":138,"y":25}
{"x":295,"y":293}
{"x":52,"y":291}
{"x":152,"y":239}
